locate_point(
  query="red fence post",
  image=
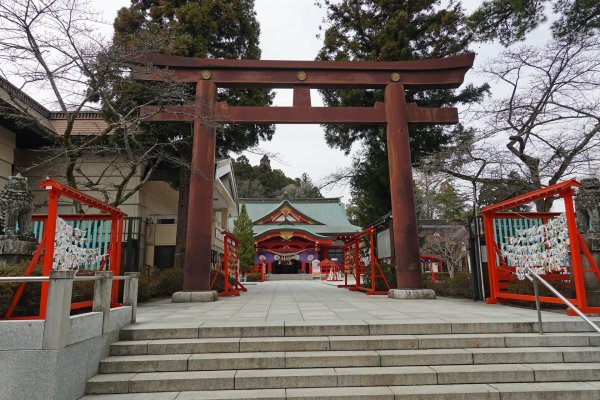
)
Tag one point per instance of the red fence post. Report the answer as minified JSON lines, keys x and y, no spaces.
{"x":580,"y":294}
{"x":50,"y":235}
{"x":490,"y":244}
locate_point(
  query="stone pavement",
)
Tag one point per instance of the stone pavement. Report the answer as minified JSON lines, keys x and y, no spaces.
{"x":320,"y":302}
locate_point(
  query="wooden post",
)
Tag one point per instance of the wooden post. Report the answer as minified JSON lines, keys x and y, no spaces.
{"x":406,"y":239}
{"x":196,"y":272}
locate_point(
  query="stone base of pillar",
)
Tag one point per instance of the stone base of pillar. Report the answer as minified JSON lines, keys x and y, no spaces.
{"x":15,"y":249}
{"x":195,"y":297}
{"x":411,"y":294}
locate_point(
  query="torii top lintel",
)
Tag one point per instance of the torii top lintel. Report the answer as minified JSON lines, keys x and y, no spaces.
{"x":419,"y":74}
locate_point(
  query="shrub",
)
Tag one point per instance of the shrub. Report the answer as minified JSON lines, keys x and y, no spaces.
{"x":29,"y":303}
{"x":389,"y":270}
{"x":253,"y":277}
{"x":164,"y":284}
{"x":459,"y":286}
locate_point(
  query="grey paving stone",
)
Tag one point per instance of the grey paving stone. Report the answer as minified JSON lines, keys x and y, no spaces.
{"x":395,"y":327}
{"x":323,"y":359}
{"x":129,"y":348}
{"x":144,"y":363}
{"x":446,"y":392}
{"x":580,"y":354}
{"x":460,"y":341}
{"x":565,"y":372}
{"x":181,"y":381}
{"x":315,"y":343}
{"x":491,"y":327}
{"x":385,"y":376}
{"x":453,"y":374}
{"x":223,"y":361}
{"x":375,"y":342}
{"x":548,"y":391}
{"x":399,"y":358}
{"x":193,"y":346}
{"x":547,"y":340}
{"x":285,"y":378}
{"x":141,"y":333}
{"x":326,"y":328}
{"x":264,"y":394}
{"x":133,"y":396}
{"x":241,"y":329}
{"x":516,"y":355}
{"x":348,"y":393}
{"x":108,"y":384}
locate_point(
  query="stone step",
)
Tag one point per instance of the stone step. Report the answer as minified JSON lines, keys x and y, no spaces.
{"x":322,"y":359}
{"x":354,"y":343}
{"x":345,"y":377}
{"x":339,"y":328}
{"x":495,"y":391}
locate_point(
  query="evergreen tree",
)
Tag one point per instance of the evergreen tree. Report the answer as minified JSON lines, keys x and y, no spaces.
{"x":262,"y":181}
{"x":242,"y":230}
{"x":200,"y":28}
{"x":511,"y":20}
{"x":383,"y":30}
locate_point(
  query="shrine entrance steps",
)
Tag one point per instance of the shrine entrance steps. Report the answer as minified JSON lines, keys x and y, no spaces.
{"x":352,"y":360}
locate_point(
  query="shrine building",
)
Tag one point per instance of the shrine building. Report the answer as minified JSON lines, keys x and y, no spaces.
{"x":290,"y":234}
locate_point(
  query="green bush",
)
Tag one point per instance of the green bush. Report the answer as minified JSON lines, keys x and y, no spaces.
{"x":219,"y":283}
{"x":29,"y":303}
{"x":253,"y":277}
{"x":459,"y":286}
{"x":389,"y":270}
{"x":164,"y":284}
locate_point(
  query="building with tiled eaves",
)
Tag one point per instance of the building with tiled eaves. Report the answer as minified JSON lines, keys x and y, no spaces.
{"x":290,"y":234}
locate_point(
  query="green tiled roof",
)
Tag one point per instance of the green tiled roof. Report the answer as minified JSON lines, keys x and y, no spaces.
{"x":330,"y":213}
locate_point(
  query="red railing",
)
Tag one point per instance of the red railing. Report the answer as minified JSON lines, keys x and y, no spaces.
{"x":501,"y":274}
{"x":353,"y":262}
{"x":229,"y":267}
{"x":45,"y":249}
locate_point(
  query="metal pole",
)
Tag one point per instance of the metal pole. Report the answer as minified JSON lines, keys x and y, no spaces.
{"x":564,"y":300}
{"x":536,"y":290}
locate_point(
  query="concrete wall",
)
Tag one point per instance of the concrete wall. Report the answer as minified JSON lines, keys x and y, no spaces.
{"x":27,"y":372}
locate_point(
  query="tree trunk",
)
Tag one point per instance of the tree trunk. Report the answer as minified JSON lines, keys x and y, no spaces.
{"x":182,"y":211}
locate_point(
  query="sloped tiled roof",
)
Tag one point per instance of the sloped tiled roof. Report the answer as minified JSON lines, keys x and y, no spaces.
{"x":330,"y":213}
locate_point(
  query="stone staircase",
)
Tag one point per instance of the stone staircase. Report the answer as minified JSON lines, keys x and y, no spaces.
{"x":347,"y":360}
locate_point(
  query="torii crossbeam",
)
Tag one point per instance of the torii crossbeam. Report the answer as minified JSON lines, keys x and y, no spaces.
{"x":395,"y":113}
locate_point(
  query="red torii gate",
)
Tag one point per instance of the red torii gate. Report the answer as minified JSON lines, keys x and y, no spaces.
{"x":205,"y":112}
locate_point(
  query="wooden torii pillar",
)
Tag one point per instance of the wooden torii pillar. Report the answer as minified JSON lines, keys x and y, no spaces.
{"x":394,"y":77}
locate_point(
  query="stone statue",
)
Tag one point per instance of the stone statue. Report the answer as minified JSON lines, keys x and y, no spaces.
{"x":587,"y":206}
{"x":16,"y":206}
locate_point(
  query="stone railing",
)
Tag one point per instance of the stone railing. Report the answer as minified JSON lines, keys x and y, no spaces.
{"x":52,"y":358}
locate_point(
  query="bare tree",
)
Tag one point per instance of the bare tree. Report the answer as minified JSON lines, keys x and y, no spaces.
{"x":449,"y":244}
{"x":546,"y":127}
{"x":56,"y":49}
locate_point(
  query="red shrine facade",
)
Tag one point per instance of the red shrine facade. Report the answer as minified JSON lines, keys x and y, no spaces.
{"x":290,"y":235}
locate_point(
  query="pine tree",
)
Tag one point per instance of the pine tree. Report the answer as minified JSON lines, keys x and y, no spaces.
{"x":242,"y":230}
{"x":200,"y":28}
{"x":385,"y":30}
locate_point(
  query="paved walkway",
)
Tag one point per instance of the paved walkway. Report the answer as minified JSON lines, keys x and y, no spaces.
{"x":317,"y":301}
